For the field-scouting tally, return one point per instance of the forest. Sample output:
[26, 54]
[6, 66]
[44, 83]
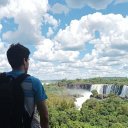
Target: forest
[110, 112]
[98, 80]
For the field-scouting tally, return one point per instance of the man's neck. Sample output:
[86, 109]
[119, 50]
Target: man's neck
[22, 69]
[19, 69]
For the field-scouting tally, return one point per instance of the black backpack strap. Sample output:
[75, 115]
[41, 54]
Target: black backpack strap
[17, 85]
[18, 91]
[18, 95]
[27, 119]
[4, 78]
[2, 74]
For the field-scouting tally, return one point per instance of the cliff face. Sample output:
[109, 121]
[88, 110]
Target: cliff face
[79, 86]
[102, 88]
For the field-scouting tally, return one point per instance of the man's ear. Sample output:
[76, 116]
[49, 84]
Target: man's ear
[24, 61]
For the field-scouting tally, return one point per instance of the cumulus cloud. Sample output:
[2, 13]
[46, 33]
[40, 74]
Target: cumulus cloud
[30, 17]
[4, 66]
[74, 36]
[49, 70]
[110, 47]
[51, 20]
[111, 28]
[46, 52]
[108, 58]
[59, 8]
[44, 69]
[97, 4]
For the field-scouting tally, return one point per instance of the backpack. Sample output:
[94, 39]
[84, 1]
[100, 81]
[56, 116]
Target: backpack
[12, 111]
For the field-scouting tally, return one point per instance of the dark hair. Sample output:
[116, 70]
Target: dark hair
[16, 54]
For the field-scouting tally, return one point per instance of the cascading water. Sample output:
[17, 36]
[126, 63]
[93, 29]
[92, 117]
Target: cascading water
[106, 89]
[124, 92]
[82, 94]
[80, 100]
[98, 88]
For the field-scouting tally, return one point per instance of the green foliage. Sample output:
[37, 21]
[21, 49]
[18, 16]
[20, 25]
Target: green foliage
[111, 112]
[117, 125]
[107, 113]
[60, 102]
[94, 93]
[119, 81]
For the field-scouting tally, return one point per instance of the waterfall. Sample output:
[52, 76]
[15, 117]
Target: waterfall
[106, 89]
[82, 94]
[124, 92]
[98, 88]
[80, 100]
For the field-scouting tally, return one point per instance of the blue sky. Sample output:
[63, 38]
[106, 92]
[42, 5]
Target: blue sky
[68, 38]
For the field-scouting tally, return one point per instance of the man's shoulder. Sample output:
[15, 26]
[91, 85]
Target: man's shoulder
[34, 79]
[37, 84]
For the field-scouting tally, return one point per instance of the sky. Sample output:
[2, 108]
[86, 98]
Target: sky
[68, 39]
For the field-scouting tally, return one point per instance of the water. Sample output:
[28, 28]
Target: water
[124, 91]
[80, 100]
[98, 87]
[82, 94]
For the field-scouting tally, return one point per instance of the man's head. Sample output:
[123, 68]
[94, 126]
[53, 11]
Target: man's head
[18, 56]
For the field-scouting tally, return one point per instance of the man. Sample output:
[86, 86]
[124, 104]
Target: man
[18, 58]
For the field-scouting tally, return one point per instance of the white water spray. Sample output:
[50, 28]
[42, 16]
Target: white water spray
[80, 100]
[83, 95]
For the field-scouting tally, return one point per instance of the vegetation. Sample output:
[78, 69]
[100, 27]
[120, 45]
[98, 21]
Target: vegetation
[99, 80]
[111, 112]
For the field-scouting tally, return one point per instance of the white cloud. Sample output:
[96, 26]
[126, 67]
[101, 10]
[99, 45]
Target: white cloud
[120, 1]
[80, 32]
[2, 48]
[59, 8]
[46, 52]
[31, 7]
[4, 66]
[48, 70]
[51, 20]
[44, 69]
[97, 4]
[110, 48]
[74, 36]
[29, 17]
